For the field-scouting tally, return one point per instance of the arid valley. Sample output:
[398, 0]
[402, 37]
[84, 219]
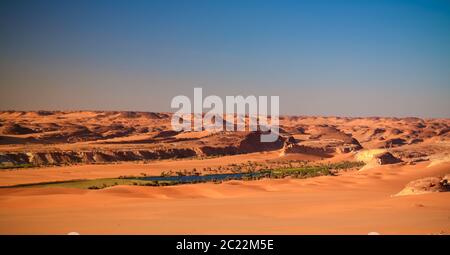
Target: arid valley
[105, 172]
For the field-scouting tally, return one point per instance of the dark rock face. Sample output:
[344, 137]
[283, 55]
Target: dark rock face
[415, 141]
[356, 144]
[394, 142]
[166, 133]
[387, 158]
[72, 157]
[216, 151]
[45, 113]
[427, 185]
[311, 150]
[444, 131]
[252, 143]
[378, 131]
[16, 129]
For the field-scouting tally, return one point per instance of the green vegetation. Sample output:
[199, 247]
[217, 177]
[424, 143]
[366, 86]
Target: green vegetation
[346, 165]
[97, 183]
[301, 172]
[304, 171]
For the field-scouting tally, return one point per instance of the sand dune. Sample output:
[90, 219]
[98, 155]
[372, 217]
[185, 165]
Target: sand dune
[48, 146]
[355, 203]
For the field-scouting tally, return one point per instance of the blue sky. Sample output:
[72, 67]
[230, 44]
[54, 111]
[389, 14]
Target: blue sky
[347, 58]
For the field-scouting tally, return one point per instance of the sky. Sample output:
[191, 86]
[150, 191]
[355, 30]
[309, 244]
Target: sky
[340, 58]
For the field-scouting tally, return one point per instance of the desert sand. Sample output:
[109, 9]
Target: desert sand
[38, 147]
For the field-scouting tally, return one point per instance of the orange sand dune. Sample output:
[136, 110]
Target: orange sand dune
[352, 203]
[106, 144]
